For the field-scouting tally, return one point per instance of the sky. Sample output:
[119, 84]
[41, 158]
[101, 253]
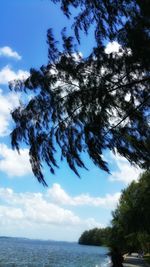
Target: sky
[69, 205]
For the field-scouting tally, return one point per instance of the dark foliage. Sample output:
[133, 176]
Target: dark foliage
[130, 230]
[130, 224]
[116, 257]
[95, 237]
[95, 103]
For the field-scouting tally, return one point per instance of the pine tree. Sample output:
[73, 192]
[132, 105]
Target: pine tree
[95, 103]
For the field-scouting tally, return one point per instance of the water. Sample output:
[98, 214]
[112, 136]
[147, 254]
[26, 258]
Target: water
[18, 252]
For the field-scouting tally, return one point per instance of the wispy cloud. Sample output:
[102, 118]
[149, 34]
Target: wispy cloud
[7, 51]
[12, 163]
[59, 196]
[125, 172]
[8, 102]
[7, 74]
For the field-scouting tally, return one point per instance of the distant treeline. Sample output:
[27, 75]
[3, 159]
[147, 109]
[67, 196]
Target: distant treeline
[95, 237]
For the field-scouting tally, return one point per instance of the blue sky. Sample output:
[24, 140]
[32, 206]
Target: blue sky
[69, 205]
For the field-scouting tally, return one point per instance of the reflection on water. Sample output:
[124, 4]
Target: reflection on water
[17, 252]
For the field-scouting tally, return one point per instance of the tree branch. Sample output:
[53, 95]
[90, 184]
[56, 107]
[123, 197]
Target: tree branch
[127, 115]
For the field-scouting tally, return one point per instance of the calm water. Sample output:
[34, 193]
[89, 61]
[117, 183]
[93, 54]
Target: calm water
[17, 252]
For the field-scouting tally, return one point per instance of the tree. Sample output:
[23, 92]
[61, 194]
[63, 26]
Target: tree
[95, 237]
[130, 224]
[129, 230]
[95, 103]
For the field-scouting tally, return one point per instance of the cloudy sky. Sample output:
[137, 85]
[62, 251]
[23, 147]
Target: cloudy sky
[69, 205]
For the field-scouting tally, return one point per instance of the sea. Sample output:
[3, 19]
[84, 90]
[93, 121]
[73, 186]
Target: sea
[21, 252]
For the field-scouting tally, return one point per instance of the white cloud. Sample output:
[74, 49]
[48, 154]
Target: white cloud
[7, 213]
[126, 173]
[7, 51]
[115, 48]
[33, 207]
[38, 212]
[7, 103]
[112, 47]
[7, 74]
[12, 163]
[58, 195]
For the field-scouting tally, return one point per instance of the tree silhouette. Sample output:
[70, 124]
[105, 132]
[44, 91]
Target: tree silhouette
[95, 103]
